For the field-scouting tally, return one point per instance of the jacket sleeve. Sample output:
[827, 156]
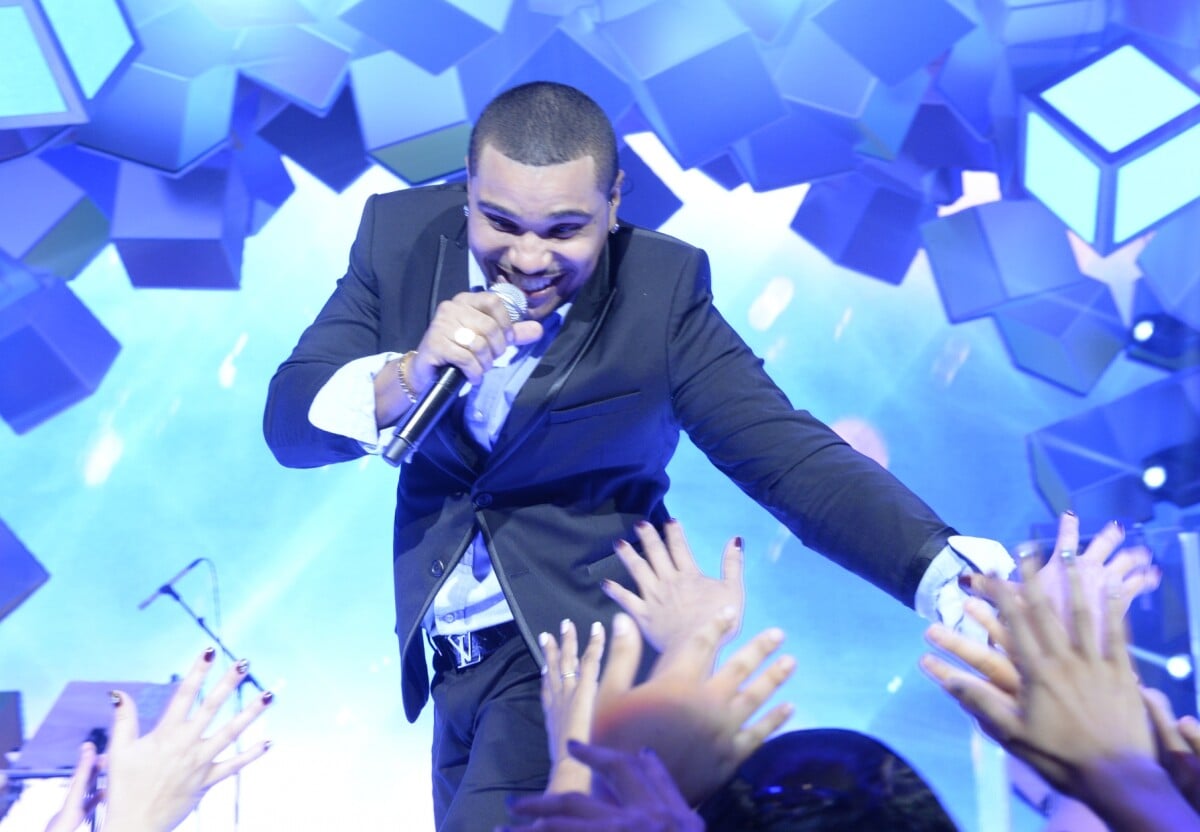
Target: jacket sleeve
[346, 328]
[835, 500]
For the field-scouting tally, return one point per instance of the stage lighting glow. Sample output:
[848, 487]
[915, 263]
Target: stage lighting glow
[1154, 477]
[775, 297]
[1143, 330]
[1180, 667]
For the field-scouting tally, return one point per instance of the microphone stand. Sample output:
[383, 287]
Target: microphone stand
[170, 592]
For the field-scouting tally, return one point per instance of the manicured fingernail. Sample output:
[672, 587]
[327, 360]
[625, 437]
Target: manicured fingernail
[738, 542]
[566, 622]
[1069, 513]
[643, 524]
[115, 698]
[544, 640]
[597, 629]
[267, 745]
[622, 624]
[672, 521]
[619, 542]
[242, 666]
[964, 580]
[268, 697]
[775, 634]
[210, 653]
[1119, 526]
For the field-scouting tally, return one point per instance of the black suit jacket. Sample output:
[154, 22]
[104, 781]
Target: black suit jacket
[582, 457]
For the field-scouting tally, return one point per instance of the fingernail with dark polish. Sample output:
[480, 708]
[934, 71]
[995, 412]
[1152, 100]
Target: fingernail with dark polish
[115, 698]
[242, 666]
[738, 542]
[642, 524]
[267, 745]
[964, 581]
[210, 653]
[268, 697]
[1069, 513]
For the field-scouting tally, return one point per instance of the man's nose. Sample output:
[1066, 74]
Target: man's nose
[529, 254]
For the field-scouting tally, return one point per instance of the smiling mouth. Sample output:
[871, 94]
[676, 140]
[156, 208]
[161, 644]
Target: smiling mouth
[528, 284]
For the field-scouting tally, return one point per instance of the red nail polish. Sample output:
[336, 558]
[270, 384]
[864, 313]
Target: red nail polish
[738, 542]
[210, 653]
[964, 581]
[268, 697]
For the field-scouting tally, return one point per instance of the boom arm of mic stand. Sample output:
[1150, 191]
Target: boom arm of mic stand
[170, 592]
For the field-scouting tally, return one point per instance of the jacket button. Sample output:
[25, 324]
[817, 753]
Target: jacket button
[483, 499]
[437, 569]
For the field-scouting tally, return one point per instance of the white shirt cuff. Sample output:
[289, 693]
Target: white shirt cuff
[939, 597]
[346, 404]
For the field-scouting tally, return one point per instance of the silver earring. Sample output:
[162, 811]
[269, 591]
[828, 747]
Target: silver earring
[616, 226]
[466, 210]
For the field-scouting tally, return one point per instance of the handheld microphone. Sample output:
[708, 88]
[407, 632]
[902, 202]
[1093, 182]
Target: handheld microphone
[166, 588]
[441, 394]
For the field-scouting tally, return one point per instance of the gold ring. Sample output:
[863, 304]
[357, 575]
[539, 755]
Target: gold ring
[465, 336]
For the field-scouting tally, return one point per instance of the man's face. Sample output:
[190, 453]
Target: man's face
[539, 228]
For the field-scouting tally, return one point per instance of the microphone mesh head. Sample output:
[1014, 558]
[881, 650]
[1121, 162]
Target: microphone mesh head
[515, 302]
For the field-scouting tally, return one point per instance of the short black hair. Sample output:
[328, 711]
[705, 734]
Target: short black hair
[545, 123]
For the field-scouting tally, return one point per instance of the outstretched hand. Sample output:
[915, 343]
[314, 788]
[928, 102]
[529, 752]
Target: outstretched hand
[82, 796]
[156, 780]
[674, 597]
[569, 685]
[696, 720]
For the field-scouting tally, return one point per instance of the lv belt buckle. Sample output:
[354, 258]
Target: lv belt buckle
[466, 649]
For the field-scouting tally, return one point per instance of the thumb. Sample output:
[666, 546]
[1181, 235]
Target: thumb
[527, 332]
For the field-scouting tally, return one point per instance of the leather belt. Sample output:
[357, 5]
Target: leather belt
[466, 649]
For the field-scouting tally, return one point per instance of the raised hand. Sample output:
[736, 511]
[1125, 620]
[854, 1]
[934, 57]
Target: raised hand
[674, 597]
[156, 780]
[569, 686]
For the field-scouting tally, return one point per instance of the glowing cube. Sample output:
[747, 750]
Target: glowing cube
[1114, 148]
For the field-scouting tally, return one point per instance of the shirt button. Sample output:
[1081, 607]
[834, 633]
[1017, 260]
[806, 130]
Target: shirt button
[477, 415]
[483, 499]
[449, 617]
[437, 569]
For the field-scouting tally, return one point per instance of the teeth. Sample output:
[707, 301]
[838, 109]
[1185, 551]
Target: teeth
[529, 284]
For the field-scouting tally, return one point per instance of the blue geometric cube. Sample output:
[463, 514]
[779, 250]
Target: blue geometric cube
[1114, 148]
[990, 254]
[806, 145]
[671, 51]
[57, 56]
[433, 34]
[60, 231]
[863, 226]
[1068, 336]
[893, 39]
[185, 232]
[329, 147]
[645, 199]
[53, 353]
[296, 63]
[20, 573]
[1022, 21]
[1171, 265]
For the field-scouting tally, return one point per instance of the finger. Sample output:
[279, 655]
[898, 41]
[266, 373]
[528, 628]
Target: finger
[223, 737]
[996, 668]
[1106, 541]
[750, 738]
[81, 779]
[655, 550]
[228, 767]
[1116, 640]
[569, 653]
[621, 771]
[624, 656]
[660, 783]
[746, 660]
[1129, 560]
[1162, 719]
[207, 710]
[984, 614]
[125, 728]
[1079, 607]
[551, 670]
[636, 565]
[1189, 729]
[560, 805]
[589, 665]
[1068, 535]
[733, 562]
[678, 548]
[751, 697]
[996, 711]
[626, 599]
[185, 695]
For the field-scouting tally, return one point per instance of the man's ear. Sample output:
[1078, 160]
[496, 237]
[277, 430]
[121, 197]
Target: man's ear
[614, 197]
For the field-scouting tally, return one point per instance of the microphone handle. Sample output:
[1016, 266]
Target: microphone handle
[426, 413]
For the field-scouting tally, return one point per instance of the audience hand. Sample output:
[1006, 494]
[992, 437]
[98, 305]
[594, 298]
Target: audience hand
[82, 797]
[156, 780]
[632, 793]
[1178, 745]
[695, 719]
[674, 597]
[569, 686]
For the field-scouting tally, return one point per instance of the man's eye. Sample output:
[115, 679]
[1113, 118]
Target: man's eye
[501, 224]
[564, 231]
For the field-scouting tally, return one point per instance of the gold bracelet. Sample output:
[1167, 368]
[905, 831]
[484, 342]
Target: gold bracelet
[400, 377]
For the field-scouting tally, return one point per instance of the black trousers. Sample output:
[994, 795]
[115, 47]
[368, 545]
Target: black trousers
[489, 738]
